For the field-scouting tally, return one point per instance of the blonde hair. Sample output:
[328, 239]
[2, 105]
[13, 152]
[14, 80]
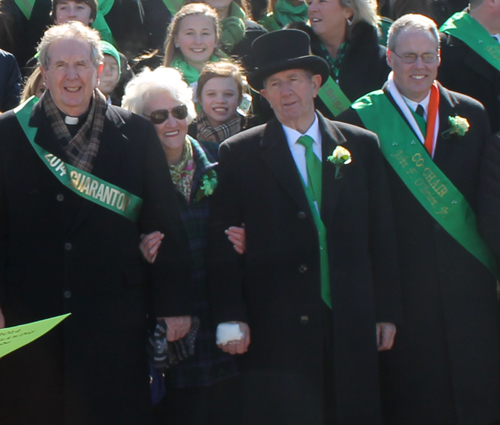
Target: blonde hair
[192, 9]
[31, 84]
[148, 83]
[363, 11]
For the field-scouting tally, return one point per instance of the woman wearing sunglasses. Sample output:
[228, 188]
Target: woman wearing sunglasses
[195, 385]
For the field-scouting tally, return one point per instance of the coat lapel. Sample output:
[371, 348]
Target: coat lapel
[446, 109]
[331, 138]
[276, 154]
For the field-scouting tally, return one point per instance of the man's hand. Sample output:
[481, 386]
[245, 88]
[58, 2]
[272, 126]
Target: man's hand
[240, 346]
[237, 237]
[2, 320]
[385, 335]
[150, 244]
[177, 327]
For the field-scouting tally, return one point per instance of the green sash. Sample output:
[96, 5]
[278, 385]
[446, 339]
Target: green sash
[26, 7]
[472, 33]
[333, 97]
[435, 192]
[84, 184]
[326, 293]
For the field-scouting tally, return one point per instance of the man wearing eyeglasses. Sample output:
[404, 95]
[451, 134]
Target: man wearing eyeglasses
[444, 367]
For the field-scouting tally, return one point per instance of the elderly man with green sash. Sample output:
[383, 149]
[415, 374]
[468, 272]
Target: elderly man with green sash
[470, 45]
[444, 367]
[80, 180]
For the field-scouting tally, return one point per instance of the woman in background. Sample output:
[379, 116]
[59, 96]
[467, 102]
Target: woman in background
[345, 33]
[280, 13]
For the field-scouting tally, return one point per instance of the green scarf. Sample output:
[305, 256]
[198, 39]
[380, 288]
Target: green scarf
[100, 23]
[284, 13]
[233, 27]
[191, 74]
[462, 26]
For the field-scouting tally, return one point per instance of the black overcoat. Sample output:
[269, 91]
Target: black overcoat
[276, 287]
[444, 367]
[464, 71]
[63, 254]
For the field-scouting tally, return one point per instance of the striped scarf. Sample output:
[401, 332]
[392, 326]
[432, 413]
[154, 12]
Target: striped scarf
[216, 134]
[81, 149]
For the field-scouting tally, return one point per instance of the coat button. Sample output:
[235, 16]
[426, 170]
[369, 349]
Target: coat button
[67, 246]
[67, 294]
[60, 197]
[301, 215]
[304, 320]
[302, 268]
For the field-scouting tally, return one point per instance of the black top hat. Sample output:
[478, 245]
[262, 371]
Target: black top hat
[281, 50]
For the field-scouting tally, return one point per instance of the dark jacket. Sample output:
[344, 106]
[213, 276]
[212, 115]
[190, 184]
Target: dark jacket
[10, 81]
[64, 254]
[364, 67]
[464, 71]
[276, 287]
[444, 365]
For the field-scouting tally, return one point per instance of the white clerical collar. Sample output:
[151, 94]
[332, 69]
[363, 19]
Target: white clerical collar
[293, 135]
[425, 104]
[71, 120]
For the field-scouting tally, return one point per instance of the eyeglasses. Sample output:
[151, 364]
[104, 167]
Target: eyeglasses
[161, 115]
[412, 57]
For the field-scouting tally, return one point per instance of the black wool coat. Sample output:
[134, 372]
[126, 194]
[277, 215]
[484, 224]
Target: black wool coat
[275, 288]
[364, 67]
[464, 71]
[444, 366]
[63, 254]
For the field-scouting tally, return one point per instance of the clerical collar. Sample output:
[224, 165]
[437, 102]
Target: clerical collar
[71, 120]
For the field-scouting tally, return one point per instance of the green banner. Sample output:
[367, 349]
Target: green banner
[84, 184]
[333, 97]
[462, 26]
[18, 336]
[432, 188]
[26, 7]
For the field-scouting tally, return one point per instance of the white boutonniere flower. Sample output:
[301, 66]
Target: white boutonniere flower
[458, 126]
[339, 157]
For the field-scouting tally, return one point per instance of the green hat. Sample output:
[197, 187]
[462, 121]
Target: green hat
[109, 49]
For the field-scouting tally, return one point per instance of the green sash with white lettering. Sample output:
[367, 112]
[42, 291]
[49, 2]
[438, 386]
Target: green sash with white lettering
[472, 33]
[435, 192]
[84, 184]
[333, 97]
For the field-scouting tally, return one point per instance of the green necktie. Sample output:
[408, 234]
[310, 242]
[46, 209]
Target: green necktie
[418, 114]
[313, 169]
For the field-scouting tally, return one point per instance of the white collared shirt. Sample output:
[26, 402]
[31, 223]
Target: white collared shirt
[299, 151]
[425, 104]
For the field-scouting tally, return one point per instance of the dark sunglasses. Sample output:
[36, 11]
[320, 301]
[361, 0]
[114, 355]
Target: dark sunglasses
[161, 115]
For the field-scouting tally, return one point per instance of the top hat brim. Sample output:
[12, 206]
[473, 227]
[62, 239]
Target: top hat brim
[315, 64]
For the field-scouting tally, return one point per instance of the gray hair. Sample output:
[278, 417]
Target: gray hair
[148, 83]
[72, 30]
[363, 10]
[414, 22]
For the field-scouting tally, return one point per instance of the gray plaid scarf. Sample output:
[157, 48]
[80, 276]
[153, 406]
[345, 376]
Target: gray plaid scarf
[216, 134]
[81, 149]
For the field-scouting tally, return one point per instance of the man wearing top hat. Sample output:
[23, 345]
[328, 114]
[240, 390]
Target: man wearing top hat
[317, 288]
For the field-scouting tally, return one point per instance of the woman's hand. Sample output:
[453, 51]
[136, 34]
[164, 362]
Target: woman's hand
[150, 244]
[237, 237]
